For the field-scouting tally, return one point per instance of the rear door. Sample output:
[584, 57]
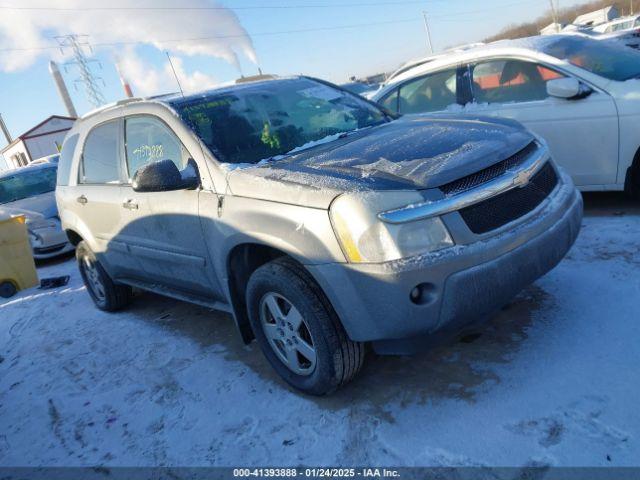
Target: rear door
[582, 133]
[163, 229]
[98, 196]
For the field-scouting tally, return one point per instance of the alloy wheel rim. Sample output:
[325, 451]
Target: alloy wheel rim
[93, 279]
[288, 334]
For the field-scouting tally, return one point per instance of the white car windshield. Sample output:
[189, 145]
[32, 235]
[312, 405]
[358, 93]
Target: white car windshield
[27, 184]
[250, 123]
[615, 62]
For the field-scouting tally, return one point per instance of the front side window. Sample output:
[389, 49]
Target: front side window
[607, 59]
[149, 140]
[100, 157]
[390, 101]
[431, 93]
[506, 80]
[252, 122]
[27, 184]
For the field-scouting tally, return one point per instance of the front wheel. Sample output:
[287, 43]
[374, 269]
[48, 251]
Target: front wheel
[105, 293]
[298, 331]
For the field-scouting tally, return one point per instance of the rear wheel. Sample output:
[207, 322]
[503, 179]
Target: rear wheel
[298, 331]
[105, 293]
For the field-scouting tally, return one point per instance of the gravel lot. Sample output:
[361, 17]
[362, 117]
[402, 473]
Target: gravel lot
[552, 380]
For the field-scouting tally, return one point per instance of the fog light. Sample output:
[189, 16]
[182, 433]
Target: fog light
[415, 294]
[423, 294]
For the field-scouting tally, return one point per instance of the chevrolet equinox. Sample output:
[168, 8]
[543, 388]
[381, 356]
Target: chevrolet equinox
[319, 220]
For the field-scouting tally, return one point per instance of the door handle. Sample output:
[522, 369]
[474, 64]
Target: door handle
[82, 199]
[130, 204]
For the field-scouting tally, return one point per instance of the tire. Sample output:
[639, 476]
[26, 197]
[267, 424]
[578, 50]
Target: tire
[284, 287]
[632, 182]
[105, 293]
[7, 289]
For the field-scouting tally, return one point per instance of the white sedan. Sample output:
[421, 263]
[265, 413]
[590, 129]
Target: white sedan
[581, 95]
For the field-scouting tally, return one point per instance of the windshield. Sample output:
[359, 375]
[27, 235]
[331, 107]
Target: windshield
[597, 56]
[254, 122]
[357, 87]
[27, 184]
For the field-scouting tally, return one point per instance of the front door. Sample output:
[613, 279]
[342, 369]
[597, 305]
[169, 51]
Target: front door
[582, 133]
[163, 229]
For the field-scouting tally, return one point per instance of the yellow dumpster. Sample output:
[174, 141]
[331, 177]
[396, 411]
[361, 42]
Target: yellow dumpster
[17, 268]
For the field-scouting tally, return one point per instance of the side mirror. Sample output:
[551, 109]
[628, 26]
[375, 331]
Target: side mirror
[567, 88]
[164, 176]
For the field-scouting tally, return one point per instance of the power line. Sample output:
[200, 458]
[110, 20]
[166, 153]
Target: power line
[251, 7]
[219, 37]
[280, 32]
[484, 10]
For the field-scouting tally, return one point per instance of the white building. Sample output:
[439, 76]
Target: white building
[42, 140]
[592, 19]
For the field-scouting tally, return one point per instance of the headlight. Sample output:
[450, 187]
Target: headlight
[38, 223]
[34, 239]
[366, 239]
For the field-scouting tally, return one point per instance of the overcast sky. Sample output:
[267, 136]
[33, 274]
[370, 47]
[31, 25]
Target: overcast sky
[300, 38]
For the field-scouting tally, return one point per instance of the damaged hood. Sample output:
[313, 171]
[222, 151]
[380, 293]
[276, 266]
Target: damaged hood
[413, 152]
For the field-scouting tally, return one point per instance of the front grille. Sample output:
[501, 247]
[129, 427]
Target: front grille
[54, 248]
[497, 211]
[471, 181]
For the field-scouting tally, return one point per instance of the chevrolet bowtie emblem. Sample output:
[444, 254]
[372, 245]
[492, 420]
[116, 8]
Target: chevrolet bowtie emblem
[522, 178]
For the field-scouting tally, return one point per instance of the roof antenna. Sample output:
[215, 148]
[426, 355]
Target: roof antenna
[175, 74]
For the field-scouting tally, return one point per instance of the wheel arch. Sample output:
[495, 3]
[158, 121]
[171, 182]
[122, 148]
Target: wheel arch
[632, 179]
[242, 260]
[74, 237]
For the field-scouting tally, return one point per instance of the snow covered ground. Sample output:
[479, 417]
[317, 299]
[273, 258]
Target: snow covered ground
[553, 380]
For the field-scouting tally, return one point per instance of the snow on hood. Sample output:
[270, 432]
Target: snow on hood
[414, 152]
[33, 208]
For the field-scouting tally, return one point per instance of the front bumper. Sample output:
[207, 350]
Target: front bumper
[458, 285]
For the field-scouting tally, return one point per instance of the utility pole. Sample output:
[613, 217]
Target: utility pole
[630, 7]
[77, 44]
[554, 15]
[426, 26]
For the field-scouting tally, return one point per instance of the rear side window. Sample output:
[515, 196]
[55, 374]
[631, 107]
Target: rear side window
[501, 81]
[100, 157]
[431, 93]
[150, 140]
[66, 157]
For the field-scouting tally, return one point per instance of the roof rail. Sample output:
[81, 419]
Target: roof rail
[256, 78]
[124, 101]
